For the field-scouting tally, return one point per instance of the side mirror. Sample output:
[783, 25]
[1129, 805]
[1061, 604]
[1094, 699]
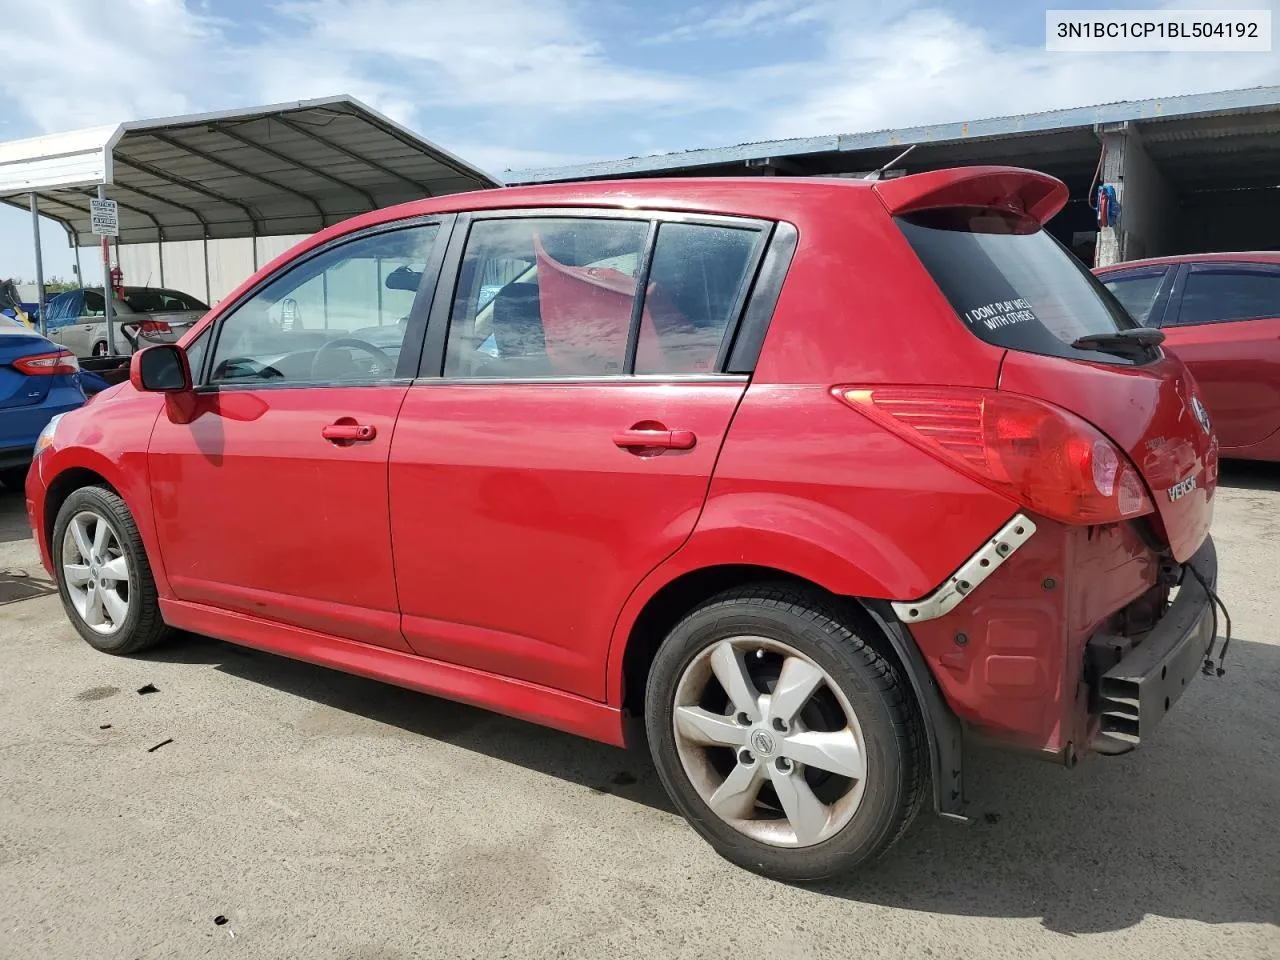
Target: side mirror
[161, 369]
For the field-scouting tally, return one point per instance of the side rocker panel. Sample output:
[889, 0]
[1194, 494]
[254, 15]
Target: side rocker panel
[515, 698]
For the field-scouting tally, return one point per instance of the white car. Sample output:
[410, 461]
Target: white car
[146, 315]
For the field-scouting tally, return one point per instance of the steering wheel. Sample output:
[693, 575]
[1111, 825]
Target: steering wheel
[326, 353]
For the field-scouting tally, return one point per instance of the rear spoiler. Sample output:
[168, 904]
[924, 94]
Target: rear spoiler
[1003, 188]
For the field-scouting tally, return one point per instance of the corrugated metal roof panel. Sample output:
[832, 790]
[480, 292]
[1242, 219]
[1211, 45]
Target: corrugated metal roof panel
[1204, 105]
[279, 170]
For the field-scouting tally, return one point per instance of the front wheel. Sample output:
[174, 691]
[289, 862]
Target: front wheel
[104, 578]
[784, 738]
[100, 349]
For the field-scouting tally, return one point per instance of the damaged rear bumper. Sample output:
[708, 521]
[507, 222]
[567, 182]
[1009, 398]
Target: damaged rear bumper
[1136, 693]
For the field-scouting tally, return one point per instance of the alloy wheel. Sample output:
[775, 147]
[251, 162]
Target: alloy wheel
[95, 569]
[769, 741]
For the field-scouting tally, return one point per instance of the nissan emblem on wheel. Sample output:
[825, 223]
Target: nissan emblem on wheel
[585, 455]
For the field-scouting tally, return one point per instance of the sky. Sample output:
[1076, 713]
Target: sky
[510, 84]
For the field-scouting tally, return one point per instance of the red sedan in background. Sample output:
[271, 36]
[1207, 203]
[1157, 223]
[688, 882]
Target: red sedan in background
[1220, 312]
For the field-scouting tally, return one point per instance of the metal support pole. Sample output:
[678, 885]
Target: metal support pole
[160, 258]
[35, 230]
[208, 285]
[79, 271]
[108, 307]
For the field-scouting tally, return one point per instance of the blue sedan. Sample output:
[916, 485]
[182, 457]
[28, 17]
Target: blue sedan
[38, 381]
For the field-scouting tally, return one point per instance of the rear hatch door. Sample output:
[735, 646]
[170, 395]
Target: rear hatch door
[979, 234]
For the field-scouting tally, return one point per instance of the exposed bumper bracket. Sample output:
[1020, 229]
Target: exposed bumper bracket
[1136, 693]
[971, 573]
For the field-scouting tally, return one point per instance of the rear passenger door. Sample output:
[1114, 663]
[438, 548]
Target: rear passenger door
[1224, 322]
[560, 443]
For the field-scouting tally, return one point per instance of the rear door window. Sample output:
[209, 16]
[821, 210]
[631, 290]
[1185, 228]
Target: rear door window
[1137, 292]
[545, 297]
[554, 297]
[1012, 284]
[94, 306]
[1217, 294]
[697, 282]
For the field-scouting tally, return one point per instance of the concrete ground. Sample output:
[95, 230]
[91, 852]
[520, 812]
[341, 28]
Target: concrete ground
[324, 815]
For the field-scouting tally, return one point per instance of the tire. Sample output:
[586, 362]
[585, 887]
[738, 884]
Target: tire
[14, 478]
[99, 349]
[121, 629]
[764, 627]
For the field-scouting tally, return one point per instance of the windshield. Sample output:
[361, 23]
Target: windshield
[1012, 283]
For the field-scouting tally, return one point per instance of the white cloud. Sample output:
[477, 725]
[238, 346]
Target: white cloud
[513, 53]
[931, 67]
[92, 72]
[500, 83]
[754, 16]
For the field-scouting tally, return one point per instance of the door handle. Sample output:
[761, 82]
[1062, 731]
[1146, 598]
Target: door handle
[640, 439]
[344, 433]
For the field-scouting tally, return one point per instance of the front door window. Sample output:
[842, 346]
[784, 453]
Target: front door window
[341, 316]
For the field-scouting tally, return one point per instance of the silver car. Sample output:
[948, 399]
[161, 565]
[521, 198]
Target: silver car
[146, 315]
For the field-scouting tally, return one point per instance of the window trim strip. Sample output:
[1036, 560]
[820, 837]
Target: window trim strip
[639, 297]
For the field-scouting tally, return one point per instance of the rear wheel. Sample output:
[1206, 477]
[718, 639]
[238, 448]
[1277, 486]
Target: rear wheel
[104, 578]
[13, 478]
[100, 349]
[784, 738]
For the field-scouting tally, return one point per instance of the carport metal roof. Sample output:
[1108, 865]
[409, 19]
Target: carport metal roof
[276, 170]
[1202, 138]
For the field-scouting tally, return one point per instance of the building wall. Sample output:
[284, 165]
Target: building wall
[1149, 211]
[231, 262]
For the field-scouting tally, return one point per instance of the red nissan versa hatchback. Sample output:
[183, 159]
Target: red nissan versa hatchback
[815, 476]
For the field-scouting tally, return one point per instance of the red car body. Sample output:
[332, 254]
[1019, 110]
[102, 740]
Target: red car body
[1220, 313]
[524, 545]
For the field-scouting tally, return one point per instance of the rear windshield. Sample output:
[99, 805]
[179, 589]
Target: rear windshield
[1013, 284]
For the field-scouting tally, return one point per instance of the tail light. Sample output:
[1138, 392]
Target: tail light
[1041, 456]
[48, 364]
[151, 327]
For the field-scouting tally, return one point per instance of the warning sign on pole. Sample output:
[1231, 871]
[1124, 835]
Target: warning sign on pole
[104, 217]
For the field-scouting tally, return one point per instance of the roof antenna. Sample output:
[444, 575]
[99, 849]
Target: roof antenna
[875, 174]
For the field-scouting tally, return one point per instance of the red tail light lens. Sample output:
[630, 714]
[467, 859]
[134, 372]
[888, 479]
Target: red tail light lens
[149, 327]
[48, 364]
[1039, 455]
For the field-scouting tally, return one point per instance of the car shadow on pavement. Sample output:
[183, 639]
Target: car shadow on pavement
[1249, 475]
[1182, 828]
[14, 525]
[600, 767]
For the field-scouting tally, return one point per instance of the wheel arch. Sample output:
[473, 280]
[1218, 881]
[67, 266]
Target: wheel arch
[63, 484]
[653, 612]
[77, 465]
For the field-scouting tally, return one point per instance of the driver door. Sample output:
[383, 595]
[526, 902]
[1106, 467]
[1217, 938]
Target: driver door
[272, 501]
